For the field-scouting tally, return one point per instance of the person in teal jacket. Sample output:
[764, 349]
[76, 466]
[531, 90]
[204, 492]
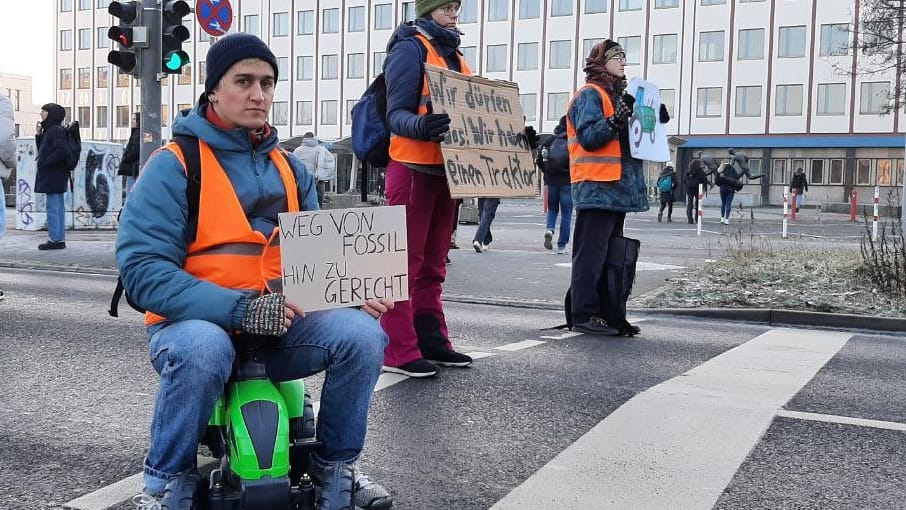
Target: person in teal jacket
[192, 349]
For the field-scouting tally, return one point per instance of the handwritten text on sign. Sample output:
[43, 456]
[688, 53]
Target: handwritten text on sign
[485, 153]
[342, 257]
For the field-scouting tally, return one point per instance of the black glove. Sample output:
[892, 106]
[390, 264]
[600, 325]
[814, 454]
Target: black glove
[623, 110]
[534, 140]
[434, 126]
[266, 315]
[664, 114]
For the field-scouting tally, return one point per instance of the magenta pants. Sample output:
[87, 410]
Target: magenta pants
[429, 225]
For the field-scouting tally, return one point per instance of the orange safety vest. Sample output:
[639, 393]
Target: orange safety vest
[600, 165]
[226, 250]
[410, 150]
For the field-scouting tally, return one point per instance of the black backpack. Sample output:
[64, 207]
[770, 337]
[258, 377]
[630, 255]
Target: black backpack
[558, 156]
[73, 145]
[190, 153]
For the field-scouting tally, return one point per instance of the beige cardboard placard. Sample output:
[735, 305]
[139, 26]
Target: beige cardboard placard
[485, 154]
[337, 258]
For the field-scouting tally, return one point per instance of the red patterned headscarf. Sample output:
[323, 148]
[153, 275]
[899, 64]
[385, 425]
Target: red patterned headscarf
[596, 70]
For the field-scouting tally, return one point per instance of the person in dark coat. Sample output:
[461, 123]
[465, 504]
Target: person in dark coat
[129, 163]
[553, 160]
[695, 176]
[667, 179]
[799, 185]
[52, 177]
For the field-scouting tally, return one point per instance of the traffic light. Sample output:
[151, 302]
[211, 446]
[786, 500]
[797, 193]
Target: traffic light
[125, 34]
[173, 34]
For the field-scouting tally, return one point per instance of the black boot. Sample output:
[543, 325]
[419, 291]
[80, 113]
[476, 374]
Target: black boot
[433, 344]
[619, 276]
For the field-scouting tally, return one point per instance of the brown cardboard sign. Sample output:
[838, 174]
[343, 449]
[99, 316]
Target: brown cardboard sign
[485, 153]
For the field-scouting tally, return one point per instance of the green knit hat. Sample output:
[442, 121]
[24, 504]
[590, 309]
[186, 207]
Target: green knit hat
[425, 7]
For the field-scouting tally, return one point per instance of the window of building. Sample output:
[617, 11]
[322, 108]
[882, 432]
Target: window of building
[122, 116]
[836, 171]
[529, 104]
[498, 10]
[470, 53]
[560, 55]
[355, 65]
[792, 42]
[329, 67]
[377, 62]
[708, 102]
[631, 5]
[103, 41]
[83, 115]
[468, 11]
[203, 75]
[305, 68]
[84, 38]
[102, 77]
[185, 77]
[595, 6]
[668, 97]
[751, 44]
[100, 117]
[863, 172]
[778, 171]
[788, 100]
[183, 107]
[84, 5]
[356, 21]
[65, 5]
[664, 49]
[834, 39]
[165, 115]
[350, 103]
[587, 45]
[713, 2]
[305, 22]
[665, 4]
[816, 172]
[561, 8]
[408, 11]
[383, 16]
[831, 98]
[330, 21]
[329, 112]
[496, 61]
[282, 69]
[711, 46]
[529, 9]
[122, 79]
[633, 48]
[884, 171]
[84, 77]
[556, 105]
[65, 40]
[527, 57]
[280, 113]
[874, 97]
[251, 24]
[304, 112]
[281, 24]
[202, 36]
[67, 115]
[748, 101]
[749, 1]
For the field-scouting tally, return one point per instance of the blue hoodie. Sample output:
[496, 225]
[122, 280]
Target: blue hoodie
[152, 241]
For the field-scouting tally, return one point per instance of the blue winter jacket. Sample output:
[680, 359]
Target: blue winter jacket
[152, 241]
[629, 194]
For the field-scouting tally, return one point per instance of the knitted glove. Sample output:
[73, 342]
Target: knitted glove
[664, 114]
[532, 136]
[266, 315]
[623, 110]
[434, 126]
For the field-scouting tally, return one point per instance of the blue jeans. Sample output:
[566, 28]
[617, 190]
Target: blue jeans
[487, 208]
[194, 359]
[726, 201]
[560, 197]
[56, 217]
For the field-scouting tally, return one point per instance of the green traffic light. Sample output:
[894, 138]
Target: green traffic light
[175, 60]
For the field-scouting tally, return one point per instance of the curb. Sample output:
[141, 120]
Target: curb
[31, 266]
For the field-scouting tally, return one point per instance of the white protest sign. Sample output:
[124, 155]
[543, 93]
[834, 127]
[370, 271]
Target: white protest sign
[647, 136]
[485, 153]
[337, 258]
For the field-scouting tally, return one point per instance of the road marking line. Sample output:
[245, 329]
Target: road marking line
[518, 346]
[481, 354]
[388, 379]
[678, 444]
[845, 420]
[561, 336]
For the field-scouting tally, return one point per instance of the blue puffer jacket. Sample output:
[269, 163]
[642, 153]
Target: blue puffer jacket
[629, 193]
[152, 240]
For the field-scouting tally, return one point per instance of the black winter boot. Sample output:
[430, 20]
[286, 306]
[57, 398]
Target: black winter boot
[433, 344]
[619, 275]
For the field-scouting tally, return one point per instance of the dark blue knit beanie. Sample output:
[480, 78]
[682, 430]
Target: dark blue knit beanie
[231, 49]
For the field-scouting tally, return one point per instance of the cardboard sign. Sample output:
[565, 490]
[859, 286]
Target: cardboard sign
[485, 153]
[338, 258]
[647, 136]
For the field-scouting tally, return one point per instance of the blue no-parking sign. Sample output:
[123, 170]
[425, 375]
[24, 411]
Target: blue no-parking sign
[214, 16]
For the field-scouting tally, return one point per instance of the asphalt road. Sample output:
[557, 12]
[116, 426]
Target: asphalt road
[757, 415]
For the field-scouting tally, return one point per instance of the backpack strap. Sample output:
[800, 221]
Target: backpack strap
[188, 145]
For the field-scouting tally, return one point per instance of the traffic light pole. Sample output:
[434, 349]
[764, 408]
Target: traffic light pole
[151, 93]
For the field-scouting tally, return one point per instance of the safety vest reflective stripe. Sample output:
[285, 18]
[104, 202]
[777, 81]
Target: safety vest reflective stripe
[226, 250]
[602, 164]
[410, 150]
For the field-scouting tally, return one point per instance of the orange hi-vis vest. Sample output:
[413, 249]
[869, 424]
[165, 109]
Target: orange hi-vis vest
[226, 250]
[600, 165]
[410, 150]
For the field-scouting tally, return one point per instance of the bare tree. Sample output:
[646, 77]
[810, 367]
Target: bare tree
[879, 37]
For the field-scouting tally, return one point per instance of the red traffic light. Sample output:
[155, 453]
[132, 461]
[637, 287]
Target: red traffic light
[121, 34]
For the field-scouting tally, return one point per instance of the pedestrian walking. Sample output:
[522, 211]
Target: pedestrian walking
[7, 156]
[607, 183]
[129, 164]
[52, 176]
[799, 185]
[695, 176]
[553, 160]
[319, 161]
[487, 209]
[666, 184]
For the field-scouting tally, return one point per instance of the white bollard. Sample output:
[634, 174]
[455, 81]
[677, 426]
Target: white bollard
[874, 222]
[699, 214]
[786, 209]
